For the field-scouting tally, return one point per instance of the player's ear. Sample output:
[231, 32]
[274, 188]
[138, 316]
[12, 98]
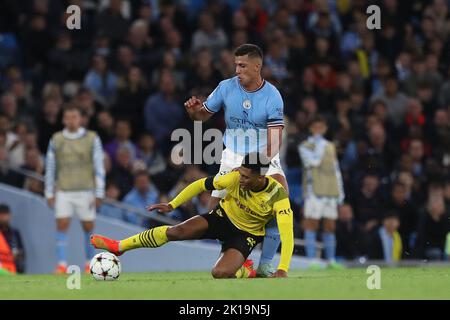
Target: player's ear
[258, 66]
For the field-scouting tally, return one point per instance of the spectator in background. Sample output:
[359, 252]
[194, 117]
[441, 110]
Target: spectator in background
[191, 173]
[347, 241]
[143, 194]
[14, 146]
[34, 162]
[152, 158]
[378, 108]
[208, 35]
[368, 203]
[125, 59]
[420, 74]
[9, 107]
[417, 153]
[85, 100]
[131, 98]
[163, 113]
[170, 64]
[414, 118]
[276, 60]
[12, 252]
[385, 243]
[121, 171]
[6, 174]
[439, 133]
[203, 77]
[256, 16]
[37, 40]
[48, 122]
[434, 225]
[225, 64]
[427, 99]
[101, 81]
[395, 100]
[122, 139]
[105, 126]
[112, 192]
[142, 45]
[408, 216]
[323, 23]
[444, 93]
[447, 193]
[66, 62]
[112, 22]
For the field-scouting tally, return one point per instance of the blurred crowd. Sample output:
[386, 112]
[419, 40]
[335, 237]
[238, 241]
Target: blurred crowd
[385, 93]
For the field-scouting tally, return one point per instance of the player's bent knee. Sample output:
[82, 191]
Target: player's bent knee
[176, 233]
[220, 273]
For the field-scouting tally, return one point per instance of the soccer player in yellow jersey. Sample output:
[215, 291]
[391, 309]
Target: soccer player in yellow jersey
[238, 221]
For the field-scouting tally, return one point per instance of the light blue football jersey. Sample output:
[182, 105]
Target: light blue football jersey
[248, 114]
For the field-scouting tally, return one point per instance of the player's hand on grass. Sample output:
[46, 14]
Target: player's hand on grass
[280, 274]
[161, 207]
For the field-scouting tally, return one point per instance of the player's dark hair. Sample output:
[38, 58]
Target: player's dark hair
[252, 50]
[257, 162]
[318, 118]
[72, 107]
[390, 213]
[141, 172]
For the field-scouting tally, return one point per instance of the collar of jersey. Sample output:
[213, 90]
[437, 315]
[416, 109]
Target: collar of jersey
[265, 187]
[259, 88]
[74, 135]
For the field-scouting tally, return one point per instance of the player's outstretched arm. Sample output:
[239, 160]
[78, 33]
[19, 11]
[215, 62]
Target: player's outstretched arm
[195, 109]
[195, 188]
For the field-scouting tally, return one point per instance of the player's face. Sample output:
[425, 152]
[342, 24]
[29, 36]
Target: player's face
[247, 69]
[319, 128]
[72, 120]
[248, 180]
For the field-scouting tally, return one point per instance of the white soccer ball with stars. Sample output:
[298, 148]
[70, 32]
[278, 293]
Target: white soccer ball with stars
[105, 266]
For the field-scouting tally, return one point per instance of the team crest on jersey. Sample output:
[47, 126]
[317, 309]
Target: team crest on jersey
[247, 104]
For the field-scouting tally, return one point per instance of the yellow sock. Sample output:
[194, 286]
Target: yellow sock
[151, 238]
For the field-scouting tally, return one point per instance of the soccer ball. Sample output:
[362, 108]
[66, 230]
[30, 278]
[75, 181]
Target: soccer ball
[105, 266]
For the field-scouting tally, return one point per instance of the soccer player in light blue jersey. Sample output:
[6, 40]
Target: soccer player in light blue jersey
[254, 123]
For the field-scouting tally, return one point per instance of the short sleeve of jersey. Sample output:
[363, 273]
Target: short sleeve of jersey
[275, 111]
[215, 101]
[227, 180]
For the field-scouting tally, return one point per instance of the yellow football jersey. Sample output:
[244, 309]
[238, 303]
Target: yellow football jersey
[248, 210]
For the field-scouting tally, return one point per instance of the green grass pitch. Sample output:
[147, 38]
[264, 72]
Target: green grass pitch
[396, 283]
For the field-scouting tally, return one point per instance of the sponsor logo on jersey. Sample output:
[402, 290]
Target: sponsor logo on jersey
[251, 242]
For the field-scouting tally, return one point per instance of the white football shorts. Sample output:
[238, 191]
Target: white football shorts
[231, 160]
[79, 203]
